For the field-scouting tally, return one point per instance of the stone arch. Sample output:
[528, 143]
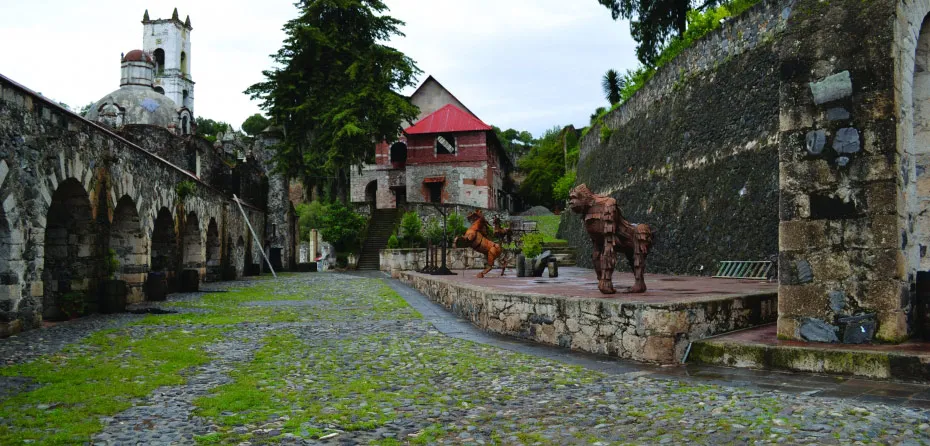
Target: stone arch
[214, 252]
[164, 252]
[239, 257]
[159, 55]
[72, 257]
[912, 93]
[371, 192]
[192, 242]
[127, 240]
[21, 313]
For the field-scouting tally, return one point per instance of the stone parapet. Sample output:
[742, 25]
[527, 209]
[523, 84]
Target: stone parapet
[642, 331]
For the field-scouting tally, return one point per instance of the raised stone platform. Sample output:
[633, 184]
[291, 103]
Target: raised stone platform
[760, 348]
[569, 311]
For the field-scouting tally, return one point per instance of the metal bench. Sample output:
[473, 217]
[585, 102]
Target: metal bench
[744, 269]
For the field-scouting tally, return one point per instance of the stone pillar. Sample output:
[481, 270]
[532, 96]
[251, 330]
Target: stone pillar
[841, 268]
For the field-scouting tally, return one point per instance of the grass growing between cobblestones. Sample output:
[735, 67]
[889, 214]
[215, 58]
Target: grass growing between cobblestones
[331, 301]
[99, 377]
[362, 383]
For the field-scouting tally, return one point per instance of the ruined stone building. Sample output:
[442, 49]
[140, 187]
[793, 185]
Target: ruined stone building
[448, 155]
[132, 177]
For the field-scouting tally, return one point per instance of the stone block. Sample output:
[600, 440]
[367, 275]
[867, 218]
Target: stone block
[659, 349]
[858, 329]
[832, 88]
[837, 114]
[801, 235]
[803, 301]
[830, 266]
[815, 141]
[837, 300]
[846, 141]
[816, 330]
[881, 198]
[787, 328]
[892, 327]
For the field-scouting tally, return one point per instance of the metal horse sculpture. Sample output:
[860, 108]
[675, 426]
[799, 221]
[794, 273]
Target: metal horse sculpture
[502, 234]
[610, 232]
[478, 237]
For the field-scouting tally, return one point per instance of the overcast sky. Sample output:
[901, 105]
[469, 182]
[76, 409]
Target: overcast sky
[526, 64]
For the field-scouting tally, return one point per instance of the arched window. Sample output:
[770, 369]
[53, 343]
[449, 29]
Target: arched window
[159, 90]
[399, 152]
[184, 99]
[159, 61]
[183, 63]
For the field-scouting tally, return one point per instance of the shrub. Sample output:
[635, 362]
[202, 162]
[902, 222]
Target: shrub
[342, 227]
[605, 133]
[455, 225]
[433, 231]
[563, 186]
[309, 216]
[411, 230]
[72, 304]
[392, 242]
[184, 190]
[111, 263]
[532, 244]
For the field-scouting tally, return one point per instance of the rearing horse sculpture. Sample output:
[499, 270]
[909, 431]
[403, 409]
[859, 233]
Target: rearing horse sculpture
[478, 239]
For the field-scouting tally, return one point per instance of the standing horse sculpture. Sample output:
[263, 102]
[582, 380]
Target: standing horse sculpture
[478, 237]
[609, 233]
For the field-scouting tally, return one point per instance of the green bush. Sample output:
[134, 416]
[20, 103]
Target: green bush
[185, 189]
[342, 227]
[455, 225]
[111, 263]
[72, 304]
[532, 244]
[309, 216]
[433, 231]
[605, 133]
[563, 186]
[411, 230]
[393, 243]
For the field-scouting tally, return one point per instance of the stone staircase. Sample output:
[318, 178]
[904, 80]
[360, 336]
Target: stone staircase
[562, 251]
[379, 231]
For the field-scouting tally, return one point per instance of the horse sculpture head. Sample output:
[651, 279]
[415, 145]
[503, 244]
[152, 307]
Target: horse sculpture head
[475, 215]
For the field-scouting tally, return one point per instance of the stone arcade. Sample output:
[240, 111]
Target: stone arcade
[72, 188]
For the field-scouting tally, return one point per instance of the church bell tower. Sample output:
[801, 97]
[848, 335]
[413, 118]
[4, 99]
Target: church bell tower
[168, 41]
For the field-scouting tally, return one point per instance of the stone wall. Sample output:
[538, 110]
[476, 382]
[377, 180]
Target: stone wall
[694, 153]
[845, 232]
[657, 333]
[70, 190]
[415, 259]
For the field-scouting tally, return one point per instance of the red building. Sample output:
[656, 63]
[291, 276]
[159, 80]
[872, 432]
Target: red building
[447, 156]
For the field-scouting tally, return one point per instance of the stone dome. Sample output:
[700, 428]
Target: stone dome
[135, 104]
[137, 56]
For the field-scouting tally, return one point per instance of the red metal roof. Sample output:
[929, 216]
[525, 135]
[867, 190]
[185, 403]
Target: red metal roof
[447, 119]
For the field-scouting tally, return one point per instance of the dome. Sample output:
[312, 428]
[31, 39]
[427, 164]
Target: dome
[134, 104]
[137, 56]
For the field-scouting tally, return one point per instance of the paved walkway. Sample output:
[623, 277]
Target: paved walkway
[324, 358]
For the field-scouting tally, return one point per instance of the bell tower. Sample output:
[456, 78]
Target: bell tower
[168, 41]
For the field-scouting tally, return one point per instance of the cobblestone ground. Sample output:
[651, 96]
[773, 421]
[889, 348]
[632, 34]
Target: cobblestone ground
[336, 359]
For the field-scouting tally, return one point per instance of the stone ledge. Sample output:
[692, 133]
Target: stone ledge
[657, 331]
[759, 348]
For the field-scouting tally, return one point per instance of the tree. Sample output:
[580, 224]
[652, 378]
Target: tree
[86, 108]
[209, 128]
[543, 166]
[653, 22]
[253, 125]
[612, 84]
[334, 90]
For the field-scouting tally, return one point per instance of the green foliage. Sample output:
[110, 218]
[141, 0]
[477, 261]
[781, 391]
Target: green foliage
[111, 263]
[532, 244]
[433, 230]
[209, 128]
[548, 226]
[72, 304]
[543, 166]
[185, 189]
[334, 89]
[455, 225]
[605, 133]
[253, 125]
[411, 229]
[699, 23]
[309, 216]
[514, 142]
[86, 108]
[563, 186]
[612, 84]
[392, 242]
[342, 227]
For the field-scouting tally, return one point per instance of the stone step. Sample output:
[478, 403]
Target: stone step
[760, 348]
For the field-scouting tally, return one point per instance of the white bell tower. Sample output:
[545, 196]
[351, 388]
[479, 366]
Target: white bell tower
[168, 41]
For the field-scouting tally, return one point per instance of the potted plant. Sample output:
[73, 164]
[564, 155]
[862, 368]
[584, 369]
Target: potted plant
[113, 297]
[72, 304]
